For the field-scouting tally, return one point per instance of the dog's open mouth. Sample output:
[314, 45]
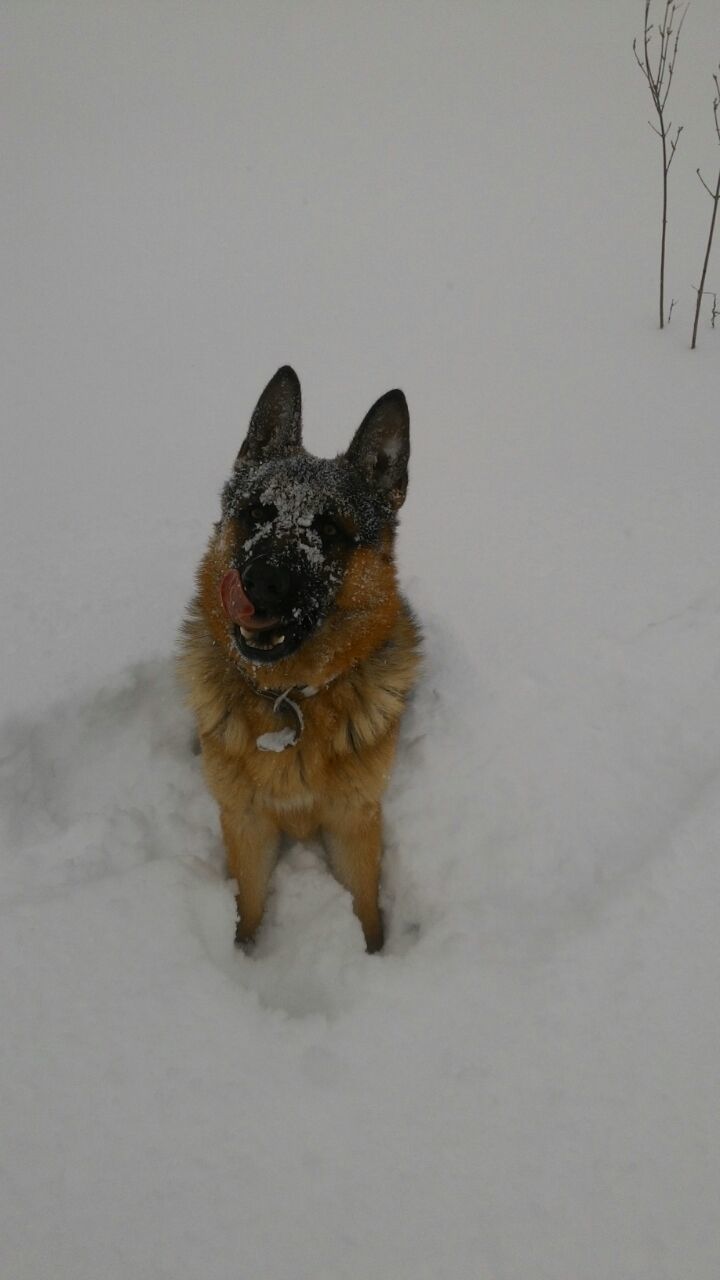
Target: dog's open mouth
[269, 642]
[259, 635]
[265, 636]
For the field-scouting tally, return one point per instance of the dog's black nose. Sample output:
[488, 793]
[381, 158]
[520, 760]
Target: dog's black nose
[267, 585]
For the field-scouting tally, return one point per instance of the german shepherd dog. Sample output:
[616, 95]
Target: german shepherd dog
[298, 652]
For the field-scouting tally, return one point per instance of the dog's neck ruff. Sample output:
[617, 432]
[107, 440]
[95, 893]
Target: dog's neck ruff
[290, 734]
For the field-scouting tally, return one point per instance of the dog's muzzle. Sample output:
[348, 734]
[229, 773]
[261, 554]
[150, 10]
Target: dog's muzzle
[258, 603]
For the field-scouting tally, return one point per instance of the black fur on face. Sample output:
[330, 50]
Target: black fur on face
[295, 519]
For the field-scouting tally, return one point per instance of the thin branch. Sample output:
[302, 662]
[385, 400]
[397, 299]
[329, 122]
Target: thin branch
[673, 147]
[701, 289]
[709, 190]
[665, 33]
[715, 196]
[659, 77]
[671, 65]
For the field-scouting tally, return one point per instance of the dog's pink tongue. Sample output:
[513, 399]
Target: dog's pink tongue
[234, 601]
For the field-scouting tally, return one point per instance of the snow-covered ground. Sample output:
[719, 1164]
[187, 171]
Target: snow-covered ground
[461, 200]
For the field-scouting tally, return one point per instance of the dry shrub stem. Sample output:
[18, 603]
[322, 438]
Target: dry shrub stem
[715, 197]
[659, 79]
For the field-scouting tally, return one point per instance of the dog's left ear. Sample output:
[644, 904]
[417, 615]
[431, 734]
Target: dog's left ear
[380, 448]
[276, 425]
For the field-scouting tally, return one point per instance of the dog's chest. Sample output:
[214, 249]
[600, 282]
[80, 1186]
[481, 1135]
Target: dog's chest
[327, 760]
[293, 749]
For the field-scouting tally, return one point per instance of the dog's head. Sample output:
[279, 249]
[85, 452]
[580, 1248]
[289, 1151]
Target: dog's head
[305, 544]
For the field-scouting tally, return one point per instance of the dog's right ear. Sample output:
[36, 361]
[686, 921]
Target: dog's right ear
[276, 425]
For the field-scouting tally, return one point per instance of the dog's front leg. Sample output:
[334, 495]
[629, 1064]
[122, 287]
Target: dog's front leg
[251, 843]
[354, 846]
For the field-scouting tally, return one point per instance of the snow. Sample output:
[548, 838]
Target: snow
[288, 736]
[461, 201]
[277, 741]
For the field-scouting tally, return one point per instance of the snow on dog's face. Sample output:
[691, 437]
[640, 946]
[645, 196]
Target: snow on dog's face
[292, 522]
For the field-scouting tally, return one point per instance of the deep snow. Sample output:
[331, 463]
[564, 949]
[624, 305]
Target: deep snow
[462, 201]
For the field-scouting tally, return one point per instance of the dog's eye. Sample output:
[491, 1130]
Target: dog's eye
[258, 513]
[329, 529]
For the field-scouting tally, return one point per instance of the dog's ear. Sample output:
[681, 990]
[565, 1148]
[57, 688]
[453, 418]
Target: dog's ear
[380, 448]
[276, 425]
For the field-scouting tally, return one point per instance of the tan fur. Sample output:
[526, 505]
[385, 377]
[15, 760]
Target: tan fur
[363, 661]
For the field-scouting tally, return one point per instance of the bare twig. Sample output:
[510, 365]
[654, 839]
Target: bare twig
[672, 304]
[709, 190]
[659, 79]
[715, 196]
[715, 312]
[673, 146]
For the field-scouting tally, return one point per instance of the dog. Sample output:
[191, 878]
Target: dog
[298, 652]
